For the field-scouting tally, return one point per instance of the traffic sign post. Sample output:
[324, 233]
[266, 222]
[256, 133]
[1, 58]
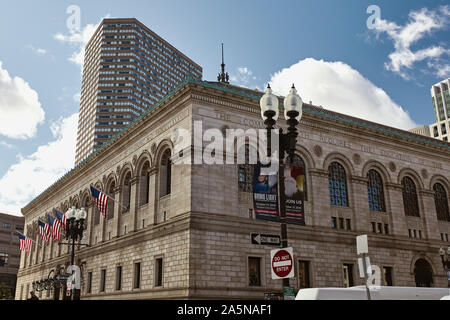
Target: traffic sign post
[282, 262]
[289, 293]
[362, 248]
[265, 239]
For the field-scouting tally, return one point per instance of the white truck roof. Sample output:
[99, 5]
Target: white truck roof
[376, 293]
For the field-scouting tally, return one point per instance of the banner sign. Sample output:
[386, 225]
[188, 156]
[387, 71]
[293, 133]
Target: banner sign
[265, 194]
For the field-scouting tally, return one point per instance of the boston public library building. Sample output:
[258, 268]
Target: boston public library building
[183, 229]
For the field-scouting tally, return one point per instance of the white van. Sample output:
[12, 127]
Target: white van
[376, 293]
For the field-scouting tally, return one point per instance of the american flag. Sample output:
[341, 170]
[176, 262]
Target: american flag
[55, 225]
[24, 243]
[101, 200]
[62, 218]
[44, 230]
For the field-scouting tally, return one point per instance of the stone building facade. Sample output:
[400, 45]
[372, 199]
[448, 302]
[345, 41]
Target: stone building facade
[182, 230]
[10, 225]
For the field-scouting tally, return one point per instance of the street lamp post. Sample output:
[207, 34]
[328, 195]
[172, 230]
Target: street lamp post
[445, 262]
[286, 144]
[74, 231]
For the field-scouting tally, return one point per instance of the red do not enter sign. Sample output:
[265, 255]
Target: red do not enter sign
[282, 263]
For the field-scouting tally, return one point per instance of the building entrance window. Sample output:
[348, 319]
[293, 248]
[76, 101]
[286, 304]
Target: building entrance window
[348, 274]
[423, 273]
[303, 274]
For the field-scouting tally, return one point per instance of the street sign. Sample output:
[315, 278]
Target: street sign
[266, 239]
[361, 266]
[362, 245]
[282, 263]
[68, 287]
[289, 293]
[62, 277]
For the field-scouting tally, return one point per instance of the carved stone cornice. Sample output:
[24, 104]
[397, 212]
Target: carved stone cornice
[393, 186]
[358, 179]
[318, 172]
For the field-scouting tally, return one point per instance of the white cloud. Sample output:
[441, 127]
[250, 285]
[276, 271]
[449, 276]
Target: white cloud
[78, 39]
[32, 174]
[76, 97]
[20, 108]
[244, 77]
[6, 145]
[38, 51]
[420, 24]
[338, 87]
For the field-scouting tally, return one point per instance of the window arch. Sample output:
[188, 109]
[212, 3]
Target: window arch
[441, 202]
[126, 192]
[410, 201]
[165, 176]
[375, 191]
[144, 184]
[337, 184]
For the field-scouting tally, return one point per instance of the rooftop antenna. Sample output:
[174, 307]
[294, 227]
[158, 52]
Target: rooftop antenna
[223, 76]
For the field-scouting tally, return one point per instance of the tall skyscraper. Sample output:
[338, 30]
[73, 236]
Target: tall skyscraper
[127, 69]
[441, 104]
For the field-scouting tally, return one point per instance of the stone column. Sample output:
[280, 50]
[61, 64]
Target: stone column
[397, 209]
[321, 206]
[102, 226]
[117, 212]
[133, 203]
[90, 222]
[428, 212]
[152, 197]
[361, 211]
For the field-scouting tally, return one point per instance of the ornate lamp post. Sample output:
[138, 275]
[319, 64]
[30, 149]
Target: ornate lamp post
[445, 258]
[74, 231]
[286, 142]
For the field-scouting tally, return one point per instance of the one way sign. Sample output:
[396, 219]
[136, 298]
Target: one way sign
[265, 239]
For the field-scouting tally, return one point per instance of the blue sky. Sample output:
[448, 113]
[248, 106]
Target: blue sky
[315, 42]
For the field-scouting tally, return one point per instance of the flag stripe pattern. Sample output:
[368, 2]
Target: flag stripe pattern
[62, 218]
[55, 226]
[44, 230]
[24, 243]
[101, 200]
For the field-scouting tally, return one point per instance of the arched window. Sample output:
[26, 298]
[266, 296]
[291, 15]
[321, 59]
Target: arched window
[410, 202]
[126, 192]
[144, 184]
[165, 174]
[375, 191]
[337, 184]
[245, 168]
[111, 203]
[441, 201]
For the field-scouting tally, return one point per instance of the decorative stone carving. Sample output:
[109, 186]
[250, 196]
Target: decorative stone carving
[317, 150]
[174, 135]
[118, 170]
[153, 148]
[424, 173]
[134, 160]
[357, 159]
[392, 166]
